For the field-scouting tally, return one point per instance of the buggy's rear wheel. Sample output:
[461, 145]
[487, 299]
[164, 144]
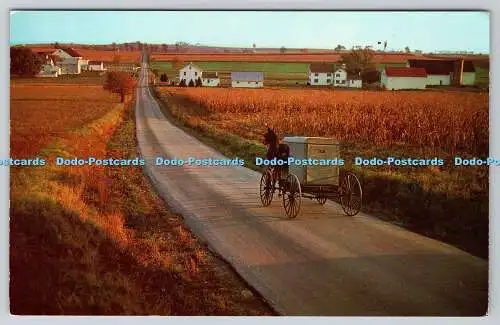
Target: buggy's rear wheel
[292, 196]
[351, 195]
[266, 188]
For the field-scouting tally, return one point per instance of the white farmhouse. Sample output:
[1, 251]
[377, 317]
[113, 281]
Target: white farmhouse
[247, 79]
[49, 67]
[354, 81]
[96, 66]
[210, 79]
[340, 78]
[190, 73]
[320, 74]
[393, 78]
[71, 61]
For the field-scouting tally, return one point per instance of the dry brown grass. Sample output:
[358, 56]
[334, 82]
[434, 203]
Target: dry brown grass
[94, 240]
[40, 112]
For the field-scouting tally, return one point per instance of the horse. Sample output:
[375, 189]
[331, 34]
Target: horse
[278, 150]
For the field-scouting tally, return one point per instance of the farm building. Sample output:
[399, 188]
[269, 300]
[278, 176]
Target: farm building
[210, 79]
[321, 74]
[446, 71]
[50, 67]
[96, 66]
[247, 79]
[190, 73]
[354, 81]
[439, 72]
[340, 78]
[69, 60]
[403, 78]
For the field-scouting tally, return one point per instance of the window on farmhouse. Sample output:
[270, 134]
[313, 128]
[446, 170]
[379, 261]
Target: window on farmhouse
[184, 72]
[195, 74]
[342, 81]
[315, 74]
[337, 75]
[316, 80]
[328, 81]
[328, 74]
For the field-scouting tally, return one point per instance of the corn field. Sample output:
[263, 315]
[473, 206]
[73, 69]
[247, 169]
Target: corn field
[451, 122]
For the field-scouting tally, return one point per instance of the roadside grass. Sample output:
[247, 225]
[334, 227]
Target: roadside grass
[98, 241]
[448, 204]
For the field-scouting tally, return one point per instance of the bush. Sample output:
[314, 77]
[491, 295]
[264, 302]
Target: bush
[191, 83]
[182, 83]
[198, 82]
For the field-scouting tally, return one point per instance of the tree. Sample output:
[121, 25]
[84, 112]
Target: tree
[191, 83]
[24, 62]
[282, 49]
[407, 49]
[339, 47]
[121, 83]
[163, 77]
[358, 60]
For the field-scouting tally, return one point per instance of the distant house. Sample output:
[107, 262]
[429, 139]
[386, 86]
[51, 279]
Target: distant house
[247, 79]
[210, 79]
[68, 60]
[96, 66]
[354, 81]
[72, 61]
[393, 78]
[340, 78]
[49, 67]
[321, 74]
[190, 73]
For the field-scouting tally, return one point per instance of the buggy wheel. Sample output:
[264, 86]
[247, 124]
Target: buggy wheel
[351, 194]
[292, 196]
[266, 188]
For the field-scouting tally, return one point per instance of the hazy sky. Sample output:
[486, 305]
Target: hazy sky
[427, 31]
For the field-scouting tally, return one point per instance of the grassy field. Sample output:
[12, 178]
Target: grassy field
[99, 241]
[447, 203]
[278, 73]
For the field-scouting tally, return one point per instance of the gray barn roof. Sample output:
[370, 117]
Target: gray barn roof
[247, 76]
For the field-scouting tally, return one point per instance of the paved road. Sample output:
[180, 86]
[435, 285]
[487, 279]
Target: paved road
[323, 262]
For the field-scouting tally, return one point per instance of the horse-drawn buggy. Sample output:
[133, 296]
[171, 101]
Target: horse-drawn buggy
[313, 173]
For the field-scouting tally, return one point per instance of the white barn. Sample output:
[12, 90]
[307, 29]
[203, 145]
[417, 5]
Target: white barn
[439, 72]
[190, 72]
[247, 79]
[210, 79]
[393, 78]
[321, 74]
